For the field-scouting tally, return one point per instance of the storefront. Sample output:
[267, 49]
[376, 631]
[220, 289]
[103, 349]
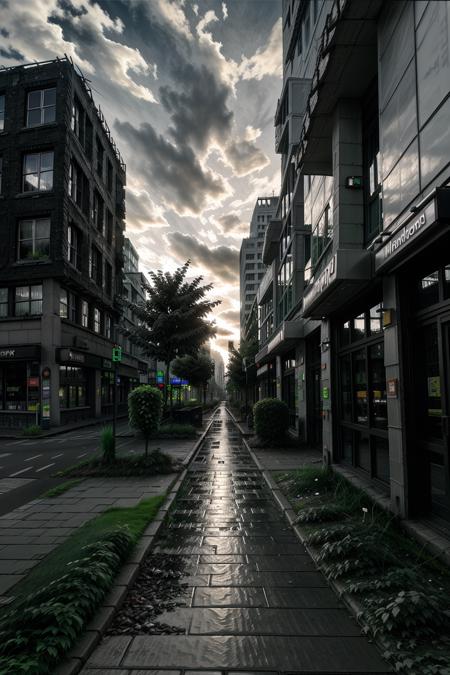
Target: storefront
[417, 256]
[288, 386]
[76, 385]
[267, 380]
[19, 385]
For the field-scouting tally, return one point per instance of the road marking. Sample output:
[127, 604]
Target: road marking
[5, 454]
[45, 467]
[82, 454]
[55, 456]
[28, 459]
[28, 468]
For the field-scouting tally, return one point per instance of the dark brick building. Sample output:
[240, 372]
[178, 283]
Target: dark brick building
[62, 221]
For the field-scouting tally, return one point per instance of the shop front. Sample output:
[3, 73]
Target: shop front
[19, 385]
[76, 393]
[417, 256]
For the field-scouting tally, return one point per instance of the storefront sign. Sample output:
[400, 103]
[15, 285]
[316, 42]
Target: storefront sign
[405, 235]
[33, 382]
[325, 393]
[70, 355]
[107, 364]
[7, 353]
[327, 276]
[32, 352]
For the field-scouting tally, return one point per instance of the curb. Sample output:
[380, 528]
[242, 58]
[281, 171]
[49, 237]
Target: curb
[94, 631]
[351, 604]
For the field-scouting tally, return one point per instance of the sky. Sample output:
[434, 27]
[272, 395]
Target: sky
[189, 90]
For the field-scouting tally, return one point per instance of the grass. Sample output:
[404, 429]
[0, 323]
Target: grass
[125, 466]
[32, 430]
[54, 565]
[395, 579]
[60, 489]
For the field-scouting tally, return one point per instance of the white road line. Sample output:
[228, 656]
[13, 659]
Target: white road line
[28, 459]
[55, 456]
[45, 467]
[82, 454]
[28, 468]
[5, 454]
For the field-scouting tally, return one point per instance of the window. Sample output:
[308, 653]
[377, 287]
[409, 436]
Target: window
[78, 120]
[107, 326]
[3, 302]
[109, 176]
[34, 239]
[109, 226]
[250, 256]
[84, 314]
[108, 278]
[74, 246]
[73, 387]
[63, 303]
[97, 320]
[41, 107]
[72, 307]
[322, 233]
[28, 300]
[38, 172]
[98, 210]
[100, 154]
[96, 266]
[2, 112]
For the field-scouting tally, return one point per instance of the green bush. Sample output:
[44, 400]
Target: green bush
[145, 410]
[108, 445]
[37, 633]
[32, 430]
[177, 431]
[271, 418]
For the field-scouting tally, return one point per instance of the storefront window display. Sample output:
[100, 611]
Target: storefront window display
[72, 387]
[19, 387]
[363, 398]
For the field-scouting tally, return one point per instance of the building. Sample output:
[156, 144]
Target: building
[250, 257]
[362, 357]
[62, 211]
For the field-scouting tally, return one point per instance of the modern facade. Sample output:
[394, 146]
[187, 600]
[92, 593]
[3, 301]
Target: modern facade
[362, 356]
[250, 257]
[62, 211]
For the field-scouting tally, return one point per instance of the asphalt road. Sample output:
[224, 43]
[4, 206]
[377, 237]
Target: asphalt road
[27, 466]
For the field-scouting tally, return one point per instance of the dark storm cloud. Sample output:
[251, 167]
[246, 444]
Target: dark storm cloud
[3, 31]
[230, 223]
[142, 213]
[11, 53]
[231, 315]
[199, 110]
[220, 261]
[245, 157]
[69, 8]
[175, 171]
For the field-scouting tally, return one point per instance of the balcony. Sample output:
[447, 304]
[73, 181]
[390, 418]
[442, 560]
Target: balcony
[289, 113]
[346, 62]
[265, 284]
[271, 241]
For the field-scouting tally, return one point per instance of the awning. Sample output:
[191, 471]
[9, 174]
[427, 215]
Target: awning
[285, 338]
[347, 272]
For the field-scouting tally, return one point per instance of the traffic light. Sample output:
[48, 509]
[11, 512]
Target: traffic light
[117, 353]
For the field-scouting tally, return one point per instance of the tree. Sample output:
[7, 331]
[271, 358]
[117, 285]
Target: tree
[173, 318]
[237, 380]
[197, 369]
[145, 410]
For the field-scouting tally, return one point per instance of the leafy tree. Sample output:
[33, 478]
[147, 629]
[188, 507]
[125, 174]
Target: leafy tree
[197, 369]
[173, 318]
[145, 411]
[236, 377]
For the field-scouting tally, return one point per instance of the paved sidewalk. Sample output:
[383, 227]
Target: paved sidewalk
[254, 601]
[30, 532]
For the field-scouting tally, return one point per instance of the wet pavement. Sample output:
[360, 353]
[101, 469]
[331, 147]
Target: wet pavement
[249, 597]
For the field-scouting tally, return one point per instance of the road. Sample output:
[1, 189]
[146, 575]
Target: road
[27, 466]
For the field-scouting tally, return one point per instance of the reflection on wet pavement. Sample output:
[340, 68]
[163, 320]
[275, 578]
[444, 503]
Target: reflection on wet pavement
[244, 594]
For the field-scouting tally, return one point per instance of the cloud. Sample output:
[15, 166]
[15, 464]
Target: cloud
[266, 60]
[224, 11]
[245, 157]
[222, 262]
[230, 315]
[142, 212]
[171, 11]
[230, 223]
[184, 184]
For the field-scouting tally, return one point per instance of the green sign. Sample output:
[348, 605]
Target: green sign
[117, 354]
[325, 393]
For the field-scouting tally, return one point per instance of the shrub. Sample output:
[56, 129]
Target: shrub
[108, 445]
[177, 431]
[145, 410]
[271, 418]
[321, 514]
[32, 430]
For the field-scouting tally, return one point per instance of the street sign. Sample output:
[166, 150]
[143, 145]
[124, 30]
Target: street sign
[117, 354]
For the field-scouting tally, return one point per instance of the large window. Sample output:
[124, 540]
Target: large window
[322, 233]
[285, 286]
[41, 107]
[72, 387]
[79, 188]
[37, 172]
[84, 314]
[96, 266]
[28, 300]
[363, 398]
[97, 320]
[34, 239]
[98, 211]
[78, 120]
[74, 246]
[2, 112]
[3, 302]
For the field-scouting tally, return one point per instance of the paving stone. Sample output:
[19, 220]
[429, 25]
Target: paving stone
[282, 563]
[110, 652]
[240, 576]
[229, 597]
[302, 654]
[319, 598]
[7, 581]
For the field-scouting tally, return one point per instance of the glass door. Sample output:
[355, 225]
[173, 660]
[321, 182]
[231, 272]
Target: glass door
[433, 411]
